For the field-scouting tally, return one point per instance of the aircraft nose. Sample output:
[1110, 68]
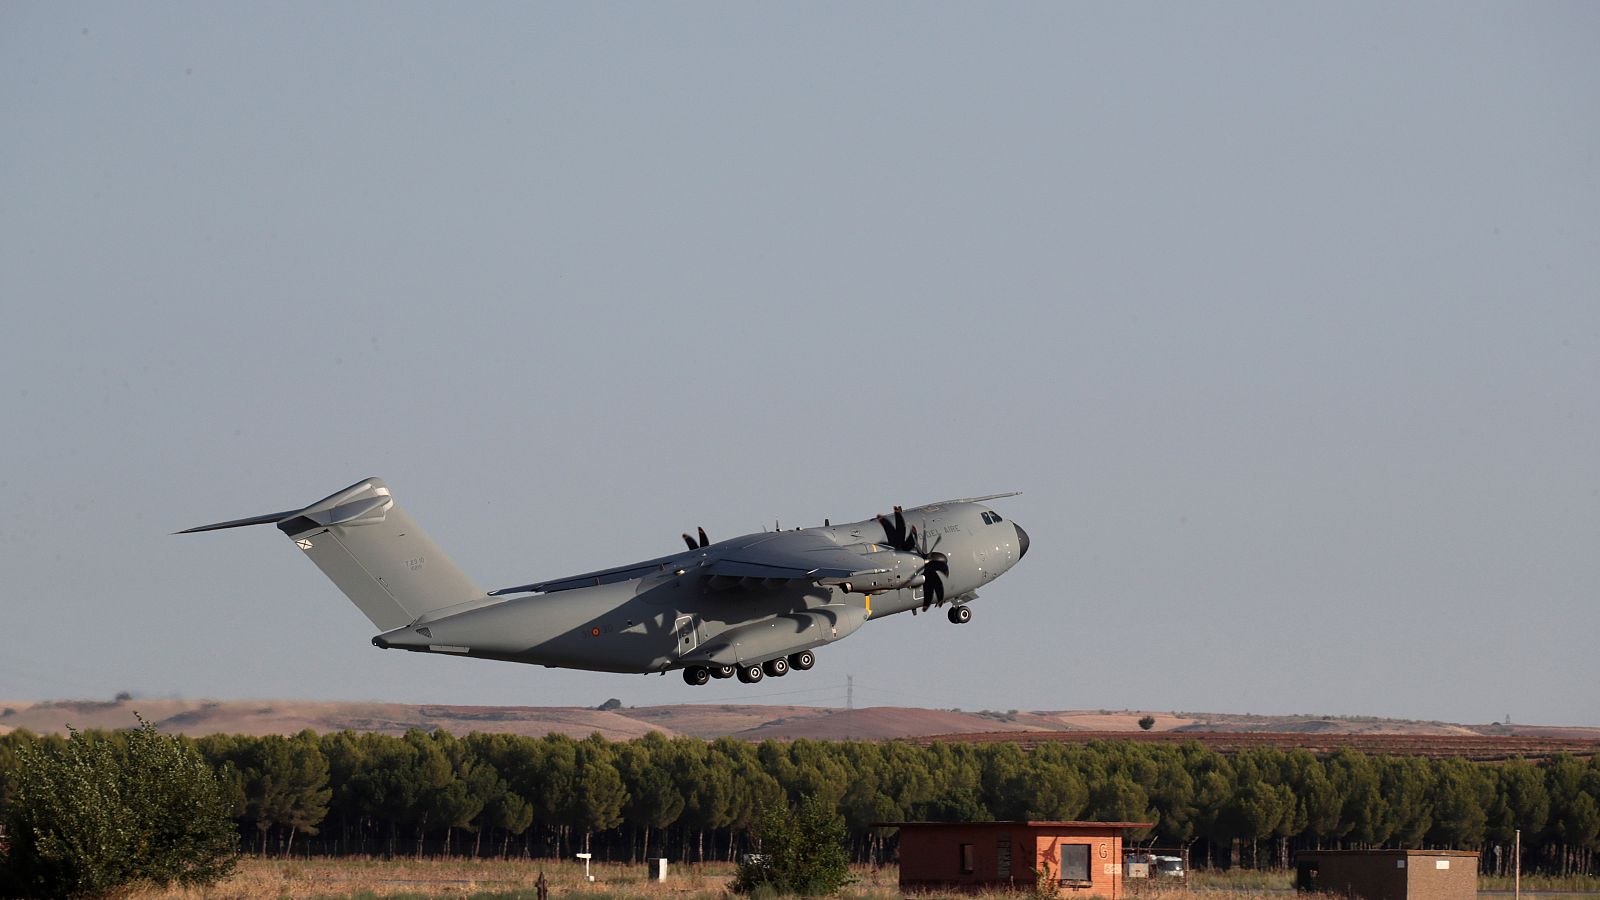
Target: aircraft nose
[1022, 541]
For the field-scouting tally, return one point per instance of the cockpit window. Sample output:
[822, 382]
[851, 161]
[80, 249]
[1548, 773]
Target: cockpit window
[990, 518]
[995, 520]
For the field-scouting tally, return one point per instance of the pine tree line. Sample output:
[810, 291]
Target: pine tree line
[692, 800]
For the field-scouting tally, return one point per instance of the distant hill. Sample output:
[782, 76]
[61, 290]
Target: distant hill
[745, 721]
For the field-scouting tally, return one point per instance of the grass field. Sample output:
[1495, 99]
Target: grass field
[485, 879]
[515, 880]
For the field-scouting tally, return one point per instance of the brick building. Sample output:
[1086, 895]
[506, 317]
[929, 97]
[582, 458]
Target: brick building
[1072, 857]
[1389, 874]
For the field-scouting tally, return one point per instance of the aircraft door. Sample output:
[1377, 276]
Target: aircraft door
[688, 638]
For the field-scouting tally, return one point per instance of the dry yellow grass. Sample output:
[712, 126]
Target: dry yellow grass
[362, 878]
[326, 878]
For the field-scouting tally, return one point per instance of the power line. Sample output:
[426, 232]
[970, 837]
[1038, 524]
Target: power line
[849, 706]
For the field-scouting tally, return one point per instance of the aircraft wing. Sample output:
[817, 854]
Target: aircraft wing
[780, 554]
[790, 554]
[589, 579]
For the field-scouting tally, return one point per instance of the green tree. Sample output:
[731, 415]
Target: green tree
[284, 782]
[551, 783]
[1460, 796]
[1520, 802]
[1174, 800]
[705, 778]
[597, 791]
[654, 800]
[93, 813]
[1147, 723]
[1574, 824]
[958, 794]
[11, 745]
[1259, 808]
[1119, 798]
[1406, 785]
[474, 783]
[728, 790]
[1366, 816]
[511, 814]
[802, 852]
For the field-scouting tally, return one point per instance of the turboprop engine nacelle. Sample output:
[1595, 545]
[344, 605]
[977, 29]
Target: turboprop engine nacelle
[900, 570]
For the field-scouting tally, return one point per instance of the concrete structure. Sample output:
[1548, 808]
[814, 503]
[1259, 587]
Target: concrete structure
[1389, 874]
[1071, 857]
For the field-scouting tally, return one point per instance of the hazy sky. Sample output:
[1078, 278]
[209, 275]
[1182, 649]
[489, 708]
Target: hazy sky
[1285, 318]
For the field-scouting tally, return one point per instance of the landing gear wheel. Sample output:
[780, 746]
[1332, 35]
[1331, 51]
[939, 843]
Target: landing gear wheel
[696, 675]
[802, 661]
[777, 668]
[750, 674]
[724, 671]
[960, 615]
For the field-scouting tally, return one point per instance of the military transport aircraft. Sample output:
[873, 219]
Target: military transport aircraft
[748, 606]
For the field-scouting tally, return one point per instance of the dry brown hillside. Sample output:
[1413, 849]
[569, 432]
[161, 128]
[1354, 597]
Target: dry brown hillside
[749, 721]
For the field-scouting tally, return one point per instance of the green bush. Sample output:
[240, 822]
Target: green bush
[802, 852]
[95, 813]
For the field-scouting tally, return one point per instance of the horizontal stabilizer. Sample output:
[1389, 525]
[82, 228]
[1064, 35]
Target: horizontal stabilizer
[268, 519]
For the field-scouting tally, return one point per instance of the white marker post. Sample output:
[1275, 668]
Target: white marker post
[586, 857]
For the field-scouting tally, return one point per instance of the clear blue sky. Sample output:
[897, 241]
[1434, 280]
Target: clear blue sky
[1286, 318]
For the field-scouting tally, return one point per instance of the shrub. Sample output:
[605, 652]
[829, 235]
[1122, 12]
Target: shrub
[95, 813]
[802, 852]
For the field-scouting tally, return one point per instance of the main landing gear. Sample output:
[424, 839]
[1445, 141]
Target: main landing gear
[750, 673]
[959, 615]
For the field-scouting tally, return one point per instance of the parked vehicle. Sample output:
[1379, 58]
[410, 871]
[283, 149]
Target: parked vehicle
[1144, 864]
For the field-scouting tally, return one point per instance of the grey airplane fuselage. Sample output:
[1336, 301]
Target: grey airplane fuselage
[675, 616]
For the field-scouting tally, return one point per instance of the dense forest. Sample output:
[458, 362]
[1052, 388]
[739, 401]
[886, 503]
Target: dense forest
[691, 800]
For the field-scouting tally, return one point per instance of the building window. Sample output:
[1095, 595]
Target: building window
[969, 861]
[1074, 863]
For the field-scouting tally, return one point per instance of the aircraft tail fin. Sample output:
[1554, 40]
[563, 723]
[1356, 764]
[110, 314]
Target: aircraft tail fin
[373, 550]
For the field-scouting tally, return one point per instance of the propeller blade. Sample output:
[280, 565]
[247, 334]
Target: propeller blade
[932, 583]
[690, 541]
[704, 541]
[888, 531]
[899, 530]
